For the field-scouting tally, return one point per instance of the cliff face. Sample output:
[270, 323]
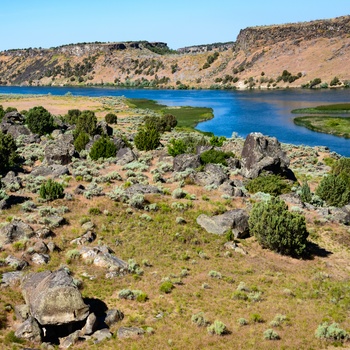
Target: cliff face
[317, 49]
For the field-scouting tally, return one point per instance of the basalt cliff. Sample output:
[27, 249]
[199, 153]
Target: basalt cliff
[309, 54]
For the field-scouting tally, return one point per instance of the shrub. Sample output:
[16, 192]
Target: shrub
[256, 318]
[147, 138]
[305, 194]
[39, 120]
[176, 147]
[86, 122]
[242, 321]
[331, 332]
[334, 81]
[166, 287]
[217, 141]
[200, 320]
[8, 151]
[81, 141]
[169, 121]
[51, 190]
[334, 190]
[278, 229]
[272, 184]
[103, 148]
[218, 328]
[72, 116]
[315, 82]
[111, 118]
[270, 334]
[342, 168]
[215, 157]
[95, 211]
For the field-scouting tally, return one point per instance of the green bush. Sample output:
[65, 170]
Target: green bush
[270, 334]
[103, 148]
[81, 141]
[169, 121]
[217, 141]
[342, 168]
[218, 328]
[51, 190]
[8, 151]
[86, 122]
[214, 156]
[72, 116]
[199, 319]
[39, 120]
[166, 287]
[111, 118]
[147, 138]
[278, 229]
[2, 112]
[272, 184]
[334, 190]
[305, 194]
[176, 147]
[331, 332]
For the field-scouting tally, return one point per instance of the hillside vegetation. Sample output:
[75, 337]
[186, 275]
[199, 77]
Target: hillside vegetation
[310, 55]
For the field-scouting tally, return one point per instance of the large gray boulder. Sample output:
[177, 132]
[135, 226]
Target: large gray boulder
[29, 330]
[104, 128]
[143, 189]
[53, 298]
[183, 161]
[22, 131]
[213, 174]
[125, 155]
[235, 220]
[54, 170]
[15, 231]
[262, 153]
[59, 152]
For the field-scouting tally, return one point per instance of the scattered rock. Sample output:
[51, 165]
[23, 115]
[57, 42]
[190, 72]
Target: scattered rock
[235, 247]
[15, 231]
[44, 232]
[40, 259]
[262, 153]
[183, 161]
[235, 220]
[213, 174]
[11, 181]
[90, 325]
[54, 170]
[53, 298]
[59, 152]
[88, 237]
[15, 263]
[70, 340]
[341, 215]
[104, 128]
[129, 332]
[125, 155]
[29, 330]
[101, 335]
[79, 189]
[113, 316]
[10, 279]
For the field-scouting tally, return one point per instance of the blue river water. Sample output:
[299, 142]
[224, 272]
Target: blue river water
[242, 112]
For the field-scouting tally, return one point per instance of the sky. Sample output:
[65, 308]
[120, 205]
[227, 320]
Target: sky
[179, 23]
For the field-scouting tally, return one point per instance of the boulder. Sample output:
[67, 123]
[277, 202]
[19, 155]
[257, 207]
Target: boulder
[262, 153]
[59, 152]
[143, 189]
[21, 312]
[15, 263]
[15, 231]
[113, 316]
[125, 155]
[119, 143]
[213, 174]
[54, 170]
[40, 259]
[10, 279]
[90, 325]
[53, 298]
[12, 181]
[235, 220]
[129, 332]
[104, 128]
[101, 335]
[22, 131]
[183, 161]
[79, 189]
[29, 330]
[70, 340]
[87, 237]
[341, 215]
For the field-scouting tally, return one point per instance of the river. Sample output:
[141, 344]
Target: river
[243, 112]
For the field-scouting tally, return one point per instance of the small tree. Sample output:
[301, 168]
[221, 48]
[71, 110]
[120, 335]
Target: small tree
[72, 116]
[111, 118]
[147, 138]
[305, 195]
[51, 190]
[278, 229]
[214, 156]
[169, 121]
[8, 151]
[103, 148]
[334, 190]
[87, 123]
[2, 112]
[39, 120]
[81, 141]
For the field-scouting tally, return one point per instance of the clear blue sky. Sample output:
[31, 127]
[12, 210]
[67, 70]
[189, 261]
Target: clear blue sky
[47, 23]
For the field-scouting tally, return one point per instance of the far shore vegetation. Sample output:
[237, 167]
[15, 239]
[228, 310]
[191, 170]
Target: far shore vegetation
[339, 108]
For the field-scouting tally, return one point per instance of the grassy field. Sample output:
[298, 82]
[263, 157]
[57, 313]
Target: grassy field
[187, 117]
[337, 126]
[339, 108]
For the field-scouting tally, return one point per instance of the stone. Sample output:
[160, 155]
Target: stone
[90, 325]
[40, 259]
[113, 316]
[21, 312]
[52, 247]
[262, 153]
[15, 263]
[119, 143]
[22, 132]
[143, 189]
[101, 335]
[104, 128]
[53, 220]
[88, 237]
[212, 174]
[88, 226]
[235, 247]
[125, 155]
[12, 181]
[29, 330]
[79, 189]
[54, 170]
[15, 231]
[341, 215]
[10, 279]
[59, 152]
[44, 232]
[235, 220]
[129, 332]
[40, 247]
[70, 340]
[53, 298]
[183, 161]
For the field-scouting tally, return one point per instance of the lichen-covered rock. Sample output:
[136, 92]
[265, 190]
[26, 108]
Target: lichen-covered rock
[113, 316]
[183, 161]
[11, 181]
[104, 128]
[101, 335]
[143, 189]
[54, 170]
[29, 330]
[59, 152]
[262, 153]
[212, 174]
[235, 220]
[129, 332]
[10, 279]
[15, 231]
[125, 155]
[15, 263]
[53, 298]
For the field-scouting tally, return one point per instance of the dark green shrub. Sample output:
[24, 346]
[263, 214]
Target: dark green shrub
[39, 120]
[147, 138]
[176, 147]
[103, 148]
[315, 82]
[334, 190]
[215, 157]
[278, 229]
[342, 168]
[111, 118]
[95, 211]
[334, 81]
[188, 144]
[2, 112]
[305, 195]
[72, 116]
[8, 151]
[217, 141]
[10, 109]
[81, 141]
[169, 121]
[51, 190]
[86, 122]
[272, 184]
[166, 287]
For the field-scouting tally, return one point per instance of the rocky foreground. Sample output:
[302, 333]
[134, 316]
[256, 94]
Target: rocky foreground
[197, 215]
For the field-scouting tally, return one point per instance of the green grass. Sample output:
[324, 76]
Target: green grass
[339, 108]
[187, 117]
[337, 126]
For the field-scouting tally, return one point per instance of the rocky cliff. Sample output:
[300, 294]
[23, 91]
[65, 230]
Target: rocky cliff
[274, 56]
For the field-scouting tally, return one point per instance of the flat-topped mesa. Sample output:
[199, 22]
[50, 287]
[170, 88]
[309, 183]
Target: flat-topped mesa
[206, 47]
[82, 49]
[268, 35]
